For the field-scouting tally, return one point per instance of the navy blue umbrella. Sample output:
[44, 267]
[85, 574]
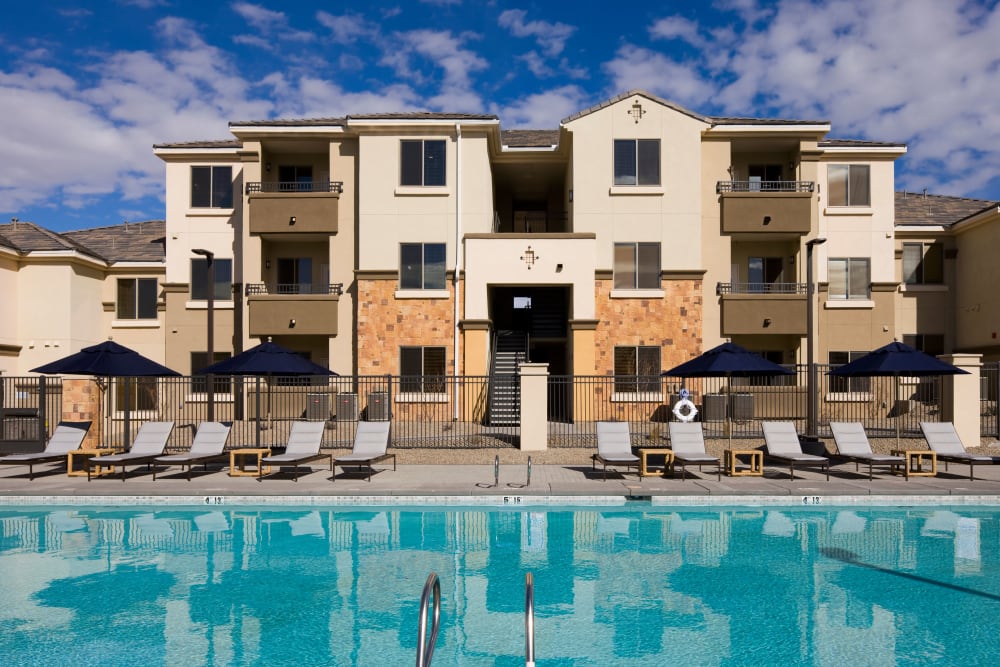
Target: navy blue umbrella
[897, 359]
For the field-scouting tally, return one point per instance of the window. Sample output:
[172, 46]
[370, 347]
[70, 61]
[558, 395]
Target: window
[422, 162]
[637, 161]
[637, 266]
[139, 396]
[199, 383]
[764, 274]
[923, 263]
[764, 177]
[849, 185]
[843, 385]
[292, 178]
[136, 299]
[211, 187]
[421, 266]
[932, 344]
[422, 370]
[223, 279]
[295, 275]
[637, 369]
[850, 278]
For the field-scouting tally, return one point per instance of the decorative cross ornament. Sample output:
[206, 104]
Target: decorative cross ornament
[637, 111]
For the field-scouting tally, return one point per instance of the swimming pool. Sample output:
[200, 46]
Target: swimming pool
[628, 586]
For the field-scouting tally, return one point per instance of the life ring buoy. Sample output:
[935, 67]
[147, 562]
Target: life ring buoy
[685, 411]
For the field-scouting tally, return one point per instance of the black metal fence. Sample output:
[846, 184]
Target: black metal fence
[30, 409]
[989, 389]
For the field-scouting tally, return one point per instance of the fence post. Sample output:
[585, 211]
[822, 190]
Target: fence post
[960, 397]
[534, 407]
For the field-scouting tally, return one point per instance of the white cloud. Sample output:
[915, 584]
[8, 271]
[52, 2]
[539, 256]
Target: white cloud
[270, 24]
[635, 67]
[542, 110]
[408, 52]
[551, 37]
[677, 27]
[347, 28]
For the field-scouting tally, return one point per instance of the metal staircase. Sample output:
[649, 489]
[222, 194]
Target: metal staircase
[510, 348]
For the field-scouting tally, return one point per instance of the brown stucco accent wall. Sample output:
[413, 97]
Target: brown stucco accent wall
[385, 323]
[672, 322]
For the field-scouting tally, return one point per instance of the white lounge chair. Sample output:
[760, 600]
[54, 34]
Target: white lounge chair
[208, 445]
[370, 443]
[782, 442]
[946, 443]
[687, 441]
[148, 444]
[304, 442]
[67, 437]
[614, 447]
[852, 444]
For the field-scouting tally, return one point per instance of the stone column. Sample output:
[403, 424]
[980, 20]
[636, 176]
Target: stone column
[534, 407]
[82, 402]
[960, 397]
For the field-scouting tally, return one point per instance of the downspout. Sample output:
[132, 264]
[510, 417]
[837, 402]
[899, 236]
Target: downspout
[458, 261]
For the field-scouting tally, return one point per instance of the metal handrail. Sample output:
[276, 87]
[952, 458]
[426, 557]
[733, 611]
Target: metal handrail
[295, 186]
[764, 186]
[760, 288]
[425, 645]
[286, 289]
[529, 620]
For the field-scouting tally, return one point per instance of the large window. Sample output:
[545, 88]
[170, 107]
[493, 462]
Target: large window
[421, 266]
[422, 370]
[842, 385]
[849, 277]
[637, 161]
[422, 162]
[295, 275]
[932, 344]
[136, 299]
[223, 279]
[293, 178]
[211, 187]
[637, 368]
[637, 266]
[923, 263]
[849, 185]
[199, 383]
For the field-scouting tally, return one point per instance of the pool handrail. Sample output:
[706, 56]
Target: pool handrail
[425, 645]
[529, 620]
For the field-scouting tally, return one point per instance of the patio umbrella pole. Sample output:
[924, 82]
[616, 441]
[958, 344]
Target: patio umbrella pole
[258, 412]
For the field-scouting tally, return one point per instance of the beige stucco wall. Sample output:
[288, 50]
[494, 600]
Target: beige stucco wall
[9, 338]
[977, 299]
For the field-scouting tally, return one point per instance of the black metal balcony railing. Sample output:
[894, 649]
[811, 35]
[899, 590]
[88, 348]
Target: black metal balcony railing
[764, 186]
[295, 186]
[253, 289]
[760, 288]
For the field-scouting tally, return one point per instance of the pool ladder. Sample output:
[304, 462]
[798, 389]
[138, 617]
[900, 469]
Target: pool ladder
[430, 601]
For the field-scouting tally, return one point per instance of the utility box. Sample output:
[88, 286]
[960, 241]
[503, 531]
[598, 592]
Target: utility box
[378, 406]
[741, 407]
[347, 407]
[714, 408]
[317, 407]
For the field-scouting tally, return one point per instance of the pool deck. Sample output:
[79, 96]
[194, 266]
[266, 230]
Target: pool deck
[573, 484]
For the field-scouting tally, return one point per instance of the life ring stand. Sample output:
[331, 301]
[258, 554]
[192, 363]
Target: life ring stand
[685, 410]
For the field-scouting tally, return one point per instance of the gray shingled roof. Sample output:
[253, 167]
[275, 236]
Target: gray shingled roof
[421, 115]
[208, 143]
[291, 122]
[129, 242]
[858, 143]
[529, 138]
[26, 237]
[924, 209]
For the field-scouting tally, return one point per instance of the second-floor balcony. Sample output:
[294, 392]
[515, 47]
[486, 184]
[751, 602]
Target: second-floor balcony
[293, 308]
[770, 207]
[763, 308]
[294, 207]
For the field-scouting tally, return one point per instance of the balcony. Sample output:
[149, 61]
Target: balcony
[763, 308]
[295, 308]
[280, 207]
[770, 207]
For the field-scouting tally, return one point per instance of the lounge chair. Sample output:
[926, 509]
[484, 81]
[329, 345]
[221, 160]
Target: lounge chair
[614, 447]
[208, 445]
[303, 445]
[370, 443]
[782, 443]
[67, 437]
[687, 440]
[943, 439]
[147, 446]
[853, 445]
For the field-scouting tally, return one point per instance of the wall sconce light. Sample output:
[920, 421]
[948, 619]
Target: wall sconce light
[267, 166]
[636, 111]
[767, 219]
[291, 323]
[767, 322]
[571, 196]
[267, 264]
[558, 268]
[529, 257]
[291, 220]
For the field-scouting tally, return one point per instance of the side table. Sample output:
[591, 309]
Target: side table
[668, 462]
[736, 468]
[241, 470]
[914, 462]
[72, 470]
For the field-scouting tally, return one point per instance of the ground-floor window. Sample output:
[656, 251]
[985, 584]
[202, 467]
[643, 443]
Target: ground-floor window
[422, 369]
[637, 368]
[847, 385]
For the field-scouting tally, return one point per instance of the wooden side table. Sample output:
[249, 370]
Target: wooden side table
[96, 469]
[736, 468]
[914, 462]
[241, 470]
[668, 462]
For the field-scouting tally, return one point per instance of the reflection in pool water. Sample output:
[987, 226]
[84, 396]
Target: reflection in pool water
[642, 586]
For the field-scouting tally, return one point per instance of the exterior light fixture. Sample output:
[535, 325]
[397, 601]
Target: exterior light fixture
[637, 112]
[529, 257]
[291, 220]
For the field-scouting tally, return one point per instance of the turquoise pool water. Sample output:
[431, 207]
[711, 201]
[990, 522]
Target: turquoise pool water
[635, 586]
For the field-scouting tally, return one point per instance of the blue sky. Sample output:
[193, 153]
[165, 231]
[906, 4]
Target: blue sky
[87, 88]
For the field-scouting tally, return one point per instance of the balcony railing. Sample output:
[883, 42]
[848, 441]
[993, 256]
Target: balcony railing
[255, 289]
[295, 186]
[760, 288]
[764, 186]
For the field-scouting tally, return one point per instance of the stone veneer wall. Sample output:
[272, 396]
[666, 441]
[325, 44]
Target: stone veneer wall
[386, 323]
[673, 322]
[81, 401]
